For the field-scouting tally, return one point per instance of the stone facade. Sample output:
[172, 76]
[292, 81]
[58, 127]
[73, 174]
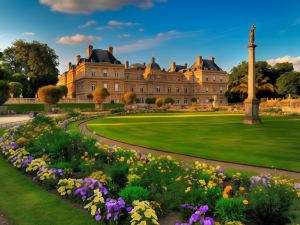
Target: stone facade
[204, 80]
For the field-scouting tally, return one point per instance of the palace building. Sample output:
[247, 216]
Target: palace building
[202, 81]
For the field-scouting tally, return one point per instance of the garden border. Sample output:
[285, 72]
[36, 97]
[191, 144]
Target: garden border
[224, 164]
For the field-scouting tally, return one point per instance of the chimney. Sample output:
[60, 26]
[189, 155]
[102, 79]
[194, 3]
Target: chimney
[152, 60]
[185, 65]
[173, 67]
[212, 59]
[199, 61]
[89, 50]
[78, 57]
[110, 49]
[126, 64]
[70, 65]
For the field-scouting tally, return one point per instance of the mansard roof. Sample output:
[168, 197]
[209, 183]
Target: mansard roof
[207, 64]
[138, 66]
[102, 56]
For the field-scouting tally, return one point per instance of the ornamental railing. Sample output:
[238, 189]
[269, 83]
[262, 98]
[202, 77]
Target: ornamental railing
[37, 101]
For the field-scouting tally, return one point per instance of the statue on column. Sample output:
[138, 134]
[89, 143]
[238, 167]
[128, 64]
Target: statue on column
[252, 34]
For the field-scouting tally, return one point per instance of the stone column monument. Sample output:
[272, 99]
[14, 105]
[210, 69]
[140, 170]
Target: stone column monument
[251, 103]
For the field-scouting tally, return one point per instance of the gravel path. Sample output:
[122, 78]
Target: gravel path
[255, 169]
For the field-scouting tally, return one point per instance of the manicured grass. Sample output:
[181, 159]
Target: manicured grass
[73, 126]
[275, 143]
[24, 203]
[24, 108]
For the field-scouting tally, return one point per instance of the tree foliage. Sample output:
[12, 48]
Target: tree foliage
[129, 98]
[63, 90]
[15, 89]
[4, 92]
[289, 84]
[32, 59]
[49, 94]
[169, 101]
[100, 94]
[159, 102]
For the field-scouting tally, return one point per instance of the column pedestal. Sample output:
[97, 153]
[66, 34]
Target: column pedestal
[251, 111]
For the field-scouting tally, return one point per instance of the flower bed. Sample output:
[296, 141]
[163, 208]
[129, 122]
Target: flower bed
[121, 186]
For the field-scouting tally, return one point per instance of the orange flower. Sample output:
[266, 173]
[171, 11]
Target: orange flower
[245, 202]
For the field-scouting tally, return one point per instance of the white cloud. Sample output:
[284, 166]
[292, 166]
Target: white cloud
[125, 35]
[141, 30]
[105, 28]
[120, 24]
[77, 39]
[89, 6]
[150, 42]
[28, 34]
[88, 24]
[290, 59]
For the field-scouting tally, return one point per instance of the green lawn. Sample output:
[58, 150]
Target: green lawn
[73, 126]
[23, 202]
[275, 143]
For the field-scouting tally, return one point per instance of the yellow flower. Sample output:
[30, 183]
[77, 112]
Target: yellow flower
[241, 188]
[225, 195]
[245, 202]
[187, 189]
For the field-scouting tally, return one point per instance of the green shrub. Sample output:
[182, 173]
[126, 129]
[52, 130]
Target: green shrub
[74, 112]
[4, 92]
[118, 173]
[270, 205]
[118, 110]
[132, 193]
[231, 209]
[294, 212]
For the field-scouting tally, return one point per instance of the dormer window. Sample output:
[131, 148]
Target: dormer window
[104, 73]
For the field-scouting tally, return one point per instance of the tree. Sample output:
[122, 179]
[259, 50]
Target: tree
[15, 89]
[129, 98]
[4, 92]
[150, 100]
[99, 96]
[289, 84]
[193, 100]
[32, 59]
[63, 90]
[279, 69]
[169, 101]
[159, 102]
[90, 96]
[50, 95]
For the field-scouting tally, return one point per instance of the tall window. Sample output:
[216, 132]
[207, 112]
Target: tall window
[206, 89]
[116, 87]
[215, 90]
[176, 101]
[93, 87]
[116, 74]
[214, 78]
[177, 89]
[158, 89]
[142, 90]
[93, 73]
[206, 79]
[104, 73]
[169, 90]
[221, 89]
[185, 101]
[132, 89]
[105, 86]
[185, 90]
[221, 79]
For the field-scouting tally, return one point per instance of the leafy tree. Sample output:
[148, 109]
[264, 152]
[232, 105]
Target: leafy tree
[15, 89]
[289, 84]
[159, 102]
[90, 96]
[193, 100]
[99, 96]
[129, 98]
[35, 60]
[50, 95]
[169, 101]
[279, 69]
[63, 90]
[150, 100]
[4, 92]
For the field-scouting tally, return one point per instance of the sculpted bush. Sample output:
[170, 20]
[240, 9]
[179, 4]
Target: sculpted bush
[50, 95]
[129, 98]
[99, 96]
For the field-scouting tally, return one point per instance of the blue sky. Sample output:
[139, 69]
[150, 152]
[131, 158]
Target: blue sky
[170, 30]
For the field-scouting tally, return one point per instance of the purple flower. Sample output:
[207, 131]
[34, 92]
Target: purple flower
[129, 209]
[203, 209]
[98, 217]
[207, 221]
[195, 217]
[297, 186]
